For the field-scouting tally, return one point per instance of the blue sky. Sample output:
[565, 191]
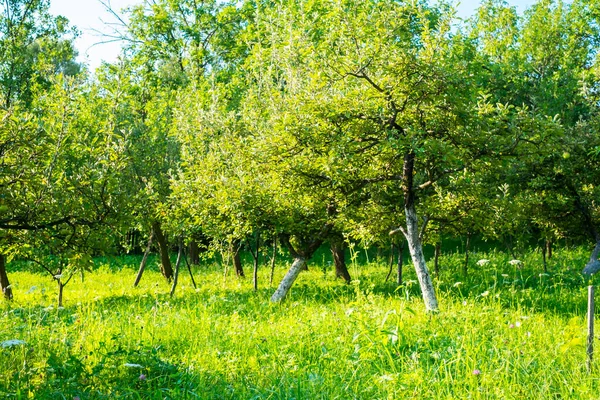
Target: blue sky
[91, 18]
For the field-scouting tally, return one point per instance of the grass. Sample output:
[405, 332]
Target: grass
[504, 332]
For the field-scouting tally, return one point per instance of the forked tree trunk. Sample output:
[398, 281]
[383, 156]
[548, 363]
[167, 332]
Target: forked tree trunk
[177, 265]
[165, 262]
[413, 235]
[144, 261]
[4, 283]
[289, 279]
[339, 259]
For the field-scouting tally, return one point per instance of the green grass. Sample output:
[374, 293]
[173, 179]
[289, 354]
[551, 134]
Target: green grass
[523, 331]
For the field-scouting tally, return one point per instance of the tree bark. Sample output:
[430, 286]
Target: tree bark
[165, 262]
[339, 259]
[237, 260]
[413, 237]
[289, 279]
[549, 248]
[4, 283]
[144, 260]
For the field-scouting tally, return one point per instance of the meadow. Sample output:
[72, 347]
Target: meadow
[506, 331]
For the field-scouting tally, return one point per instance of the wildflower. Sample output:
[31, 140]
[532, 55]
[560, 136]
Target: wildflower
[515, 262]
[464, 303]
[457, 284]
[511, 326]
[142, 377]
[476, 372]
[528, 334]
[482, 262]
[518, 324]
[486, 293]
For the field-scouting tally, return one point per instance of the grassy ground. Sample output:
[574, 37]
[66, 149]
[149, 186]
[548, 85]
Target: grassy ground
[506, 332]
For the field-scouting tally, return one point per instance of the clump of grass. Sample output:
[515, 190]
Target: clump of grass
[504, 332]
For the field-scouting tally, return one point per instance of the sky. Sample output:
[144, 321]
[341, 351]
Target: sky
[91, 18]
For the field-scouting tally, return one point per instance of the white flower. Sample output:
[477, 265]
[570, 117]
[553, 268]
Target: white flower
[482, 262]
[486, 293]
[12, 343]
[128, 365]
[457, 284]
[515, 262]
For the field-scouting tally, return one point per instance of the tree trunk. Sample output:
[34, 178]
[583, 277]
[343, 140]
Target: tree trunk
[467, 246]
[400, 264]
[237, 260]
[144, 260]
[165, 262]
[549, 248]
[273, 260]
[339, 259]
[194, 253]
[413, 237]
[255, 256]
[61, 288]
[289, 279]
[544, 249]
[177, 264]
[4, 283]
[436, 259]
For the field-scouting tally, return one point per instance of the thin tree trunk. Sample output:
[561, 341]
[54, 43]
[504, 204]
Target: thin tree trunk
[177, 264]
[467, 247]
[237, 260]
[194, 253]
[165, 262]
[400, 264]
[255, 255]
[413, 236]
[436, 259]
[289, 279]
[144, 260]
[339, 259]
[273, 260]
[391, 263]
[4, 283]
[544, 249]
[189, 268]
[549, 248]
[61, 288]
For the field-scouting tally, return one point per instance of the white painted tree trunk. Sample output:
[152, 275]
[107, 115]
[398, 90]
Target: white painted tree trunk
[418, 258]
[288, 279]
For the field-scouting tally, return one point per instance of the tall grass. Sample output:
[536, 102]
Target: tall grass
[505, 331]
